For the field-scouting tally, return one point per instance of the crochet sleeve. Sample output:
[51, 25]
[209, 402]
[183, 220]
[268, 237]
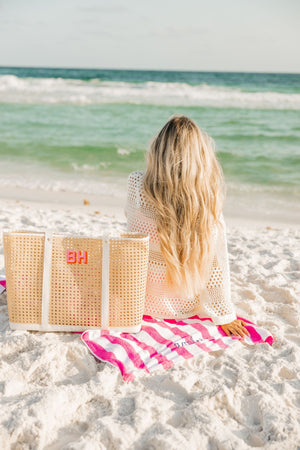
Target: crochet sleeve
[217, 301]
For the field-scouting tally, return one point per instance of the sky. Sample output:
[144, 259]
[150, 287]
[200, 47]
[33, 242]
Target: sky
[211, 35]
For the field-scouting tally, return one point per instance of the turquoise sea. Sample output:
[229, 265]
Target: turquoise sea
[85, 129]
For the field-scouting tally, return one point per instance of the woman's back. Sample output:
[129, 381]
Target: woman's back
[161, 301]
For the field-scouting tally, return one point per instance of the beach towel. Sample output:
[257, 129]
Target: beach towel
[2, 285]
[163, 343]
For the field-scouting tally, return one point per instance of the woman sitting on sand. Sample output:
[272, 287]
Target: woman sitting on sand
[178, 202]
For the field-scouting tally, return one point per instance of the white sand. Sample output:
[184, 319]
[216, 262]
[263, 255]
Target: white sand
[56, 395]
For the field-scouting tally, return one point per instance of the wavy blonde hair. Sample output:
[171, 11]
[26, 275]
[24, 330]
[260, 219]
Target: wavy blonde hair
[184, 182]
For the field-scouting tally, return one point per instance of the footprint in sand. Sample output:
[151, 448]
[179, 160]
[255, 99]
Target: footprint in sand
[286, 373]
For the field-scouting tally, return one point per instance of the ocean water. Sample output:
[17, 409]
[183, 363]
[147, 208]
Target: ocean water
[85, 130]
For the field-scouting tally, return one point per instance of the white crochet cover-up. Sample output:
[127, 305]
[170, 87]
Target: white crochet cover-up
[214, 301]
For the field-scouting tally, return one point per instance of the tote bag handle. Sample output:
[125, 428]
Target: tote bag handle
[105, 283]
[46, 276]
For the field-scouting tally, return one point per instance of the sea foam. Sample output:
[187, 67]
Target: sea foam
[79, 92]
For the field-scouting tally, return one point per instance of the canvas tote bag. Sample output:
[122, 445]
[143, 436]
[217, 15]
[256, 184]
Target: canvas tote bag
[57, 282]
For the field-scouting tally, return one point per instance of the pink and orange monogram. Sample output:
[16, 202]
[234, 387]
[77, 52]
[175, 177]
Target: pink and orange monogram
[73, 257]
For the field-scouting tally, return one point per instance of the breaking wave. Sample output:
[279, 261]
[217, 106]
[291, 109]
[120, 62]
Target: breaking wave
[92, 92]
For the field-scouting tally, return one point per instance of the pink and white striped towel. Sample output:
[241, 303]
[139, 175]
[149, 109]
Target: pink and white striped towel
[2, 285]
[162, 343]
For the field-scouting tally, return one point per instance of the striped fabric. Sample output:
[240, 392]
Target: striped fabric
[162, 343]
[2, 285]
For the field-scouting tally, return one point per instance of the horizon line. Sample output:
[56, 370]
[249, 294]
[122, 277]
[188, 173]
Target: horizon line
[144, 70]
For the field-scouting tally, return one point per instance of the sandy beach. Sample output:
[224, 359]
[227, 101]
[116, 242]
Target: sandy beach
[86, 91]
[55, 394]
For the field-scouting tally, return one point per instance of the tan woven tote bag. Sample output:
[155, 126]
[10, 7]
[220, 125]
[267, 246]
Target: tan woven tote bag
[56, 282]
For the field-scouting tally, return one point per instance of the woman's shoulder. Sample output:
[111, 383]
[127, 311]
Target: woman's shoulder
[135, 176]
[136, 173]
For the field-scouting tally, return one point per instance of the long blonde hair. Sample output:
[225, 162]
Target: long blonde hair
[184, 182]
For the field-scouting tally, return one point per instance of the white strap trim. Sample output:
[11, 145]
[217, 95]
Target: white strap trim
[46, 276]
[105, 284]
